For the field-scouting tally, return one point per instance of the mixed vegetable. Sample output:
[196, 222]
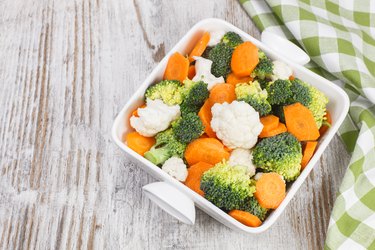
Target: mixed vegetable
[231, 124]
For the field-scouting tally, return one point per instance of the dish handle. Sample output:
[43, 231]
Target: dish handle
[171, 200]
[284, 47]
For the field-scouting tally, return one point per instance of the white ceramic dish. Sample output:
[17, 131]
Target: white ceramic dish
[173, 196]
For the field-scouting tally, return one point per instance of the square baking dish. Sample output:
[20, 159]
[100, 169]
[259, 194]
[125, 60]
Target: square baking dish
[176, 198]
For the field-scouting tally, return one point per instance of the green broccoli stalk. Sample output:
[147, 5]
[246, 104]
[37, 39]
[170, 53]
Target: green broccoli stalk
[252, 206]
[187, 128]
[232, 39]
[165, 147]
[279, 91]
[310, 97]
[194, 95]
[169, 91]
[221, 56]
[228, 187]
[281, 154]
[253, 95]
[264, 68]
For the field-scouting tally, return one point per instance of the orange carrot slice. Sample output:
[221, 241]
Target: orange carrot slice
[244, 59]
[234, 80]
[195, 172]
[245, 218]
[209, 150]
[221, 93]
[206, 116]
[300, 122]
[281, 128]
[270, 190]
[191, 72]
[177, 68]
[308, 152]
[269, 122]
[200, 46]
[139, 143]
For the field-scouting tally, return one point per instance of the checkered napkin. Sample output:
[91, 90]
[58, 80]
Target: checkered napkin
[339, 36]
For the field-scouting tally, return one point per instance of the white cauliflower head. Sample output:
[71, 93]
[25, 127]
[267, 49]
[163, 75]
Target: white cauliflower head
[215, 37]
[203, 72]
[242, 157]
[155, 117]
[176, 168]
[281, 71]
[237, 124]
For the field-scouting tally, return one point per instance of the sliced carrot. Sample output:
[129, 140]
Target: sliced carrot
[200, 46]
[191, 72]
[291, 78]
[308, 152]
[269, 122]
[323, 129]
[139, 143]
[135, 111]
[244, 59]
[221, 93]
[209, 150]
[281, 128]
[177, 68]
[300, 122]
[245, 218]
[270, 190]
[195, 172]
[206, 116]
[233, 79]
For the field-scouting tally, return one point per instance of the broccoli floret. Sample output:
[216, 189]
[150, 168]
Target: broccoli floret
[165, 147]
[206, 52]
[262, 82]
[281, 154]
[279, 91]
[264, 68]
[221, 56]
[310, 97]
[194, 95]
[253, 95]
[188, 128]
[169, 91]
[252, 206]
[278, 110]
[232, 39]
[228, 187]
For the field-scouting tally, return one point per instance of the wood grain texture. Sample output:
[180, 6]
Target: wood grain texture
[66, 69]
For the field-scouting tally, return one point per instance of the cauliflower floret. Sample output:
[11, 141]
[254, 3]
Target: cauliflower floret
[203, 72]
[236, 124]
[242, 157]
[215, 37]
[155, 117]
[176, 168]
[281, 71]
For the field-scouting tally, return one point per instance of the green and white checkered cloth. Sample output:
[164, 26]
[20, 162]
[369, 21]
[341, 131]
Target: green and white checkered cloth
[339, 36]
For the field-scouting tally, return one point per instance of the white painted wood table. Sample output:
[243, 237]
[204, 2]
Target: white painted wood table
[66, 69]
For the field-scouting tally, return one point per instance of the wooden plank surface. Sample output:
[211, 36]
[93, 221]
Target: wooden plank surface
[66, 69]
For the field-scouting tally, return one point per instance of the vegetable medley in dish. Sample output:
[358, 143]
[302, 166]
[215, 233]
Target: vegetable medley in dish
[231, 124]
